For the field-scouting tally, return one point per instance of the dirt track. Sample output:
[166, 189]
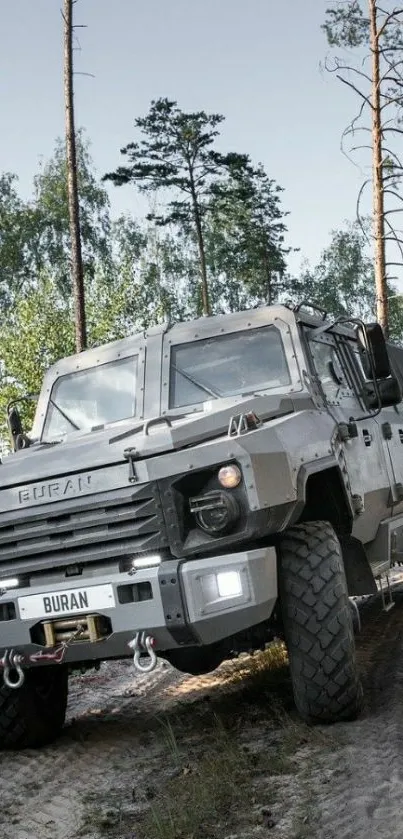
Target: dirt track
[135, 748]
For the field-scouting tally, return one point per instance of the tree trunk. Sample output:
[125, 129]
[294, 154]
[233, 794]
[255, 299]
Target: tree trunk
[268, 278]
[72, 188]
[202, 253]
[377, 178]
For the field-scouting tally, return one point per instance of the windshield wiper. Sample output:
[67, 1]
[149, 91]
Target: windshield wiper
[64, 415]
[193, 381]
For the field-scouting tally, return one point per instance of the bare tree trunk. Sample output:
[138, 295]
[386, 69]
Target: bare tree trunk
[72, 188]
[202, 253]
[268, 277]
[377, 178]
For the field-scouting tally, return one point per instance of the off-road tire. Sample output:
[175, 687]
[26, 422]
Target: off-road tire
[318, 625]
[33, 715]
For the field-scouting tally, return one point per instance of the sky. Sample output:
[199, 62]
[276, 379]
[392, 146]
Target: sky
[257, 62]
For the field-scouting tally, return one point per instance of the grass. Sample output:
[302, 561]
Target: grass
[207, 796]
[233, 750]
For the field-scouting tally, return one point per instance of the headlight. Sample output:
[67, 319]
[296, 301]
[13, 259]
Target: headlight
[230, 476]
[215, 512]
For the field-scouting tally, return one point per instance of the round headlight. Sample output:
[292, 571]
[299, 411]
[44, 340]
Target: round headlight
[230, 476]
[218, 516]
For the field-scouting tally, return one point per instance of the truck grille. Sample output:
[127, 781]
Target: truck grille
[106, 526]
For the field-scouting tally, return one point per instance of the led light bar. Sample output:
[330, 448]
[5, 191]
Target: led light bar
[146, 561]
[12, 582]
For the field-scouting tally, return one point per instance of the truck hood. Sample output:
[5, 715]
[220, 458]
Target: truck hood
[91, 450]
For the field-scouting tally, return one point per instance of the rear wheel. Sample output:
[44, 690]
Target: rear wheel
[318, 624]
[33, 715]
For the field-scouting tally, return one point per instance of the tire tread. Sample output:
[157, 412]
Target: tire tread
[33, 715]
[318, 624]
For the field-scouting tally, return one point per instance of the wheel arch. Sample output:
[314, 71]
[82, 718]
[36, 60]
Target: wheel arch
[324, 496]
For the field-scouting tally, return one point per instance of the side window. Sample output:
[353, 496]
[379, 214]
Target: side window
[329, 370]
[396, 358]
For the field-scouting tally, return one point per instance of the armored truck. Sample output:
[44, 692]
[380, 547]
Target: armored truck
[193, 492]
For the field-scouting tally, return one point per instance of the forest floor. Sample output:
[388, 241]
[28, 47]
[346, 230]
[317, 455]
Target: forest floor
[223, 756]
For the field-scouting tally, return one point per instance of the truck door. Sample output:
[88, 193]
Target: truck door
[367, 461]
[391, 424]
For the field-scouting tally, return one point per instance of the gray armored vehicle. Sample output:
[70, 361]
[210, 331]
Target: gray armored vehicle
[192, 493]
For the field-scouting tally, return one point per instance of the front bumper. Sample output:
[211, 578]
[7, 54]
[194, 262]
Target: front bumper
[189, 602]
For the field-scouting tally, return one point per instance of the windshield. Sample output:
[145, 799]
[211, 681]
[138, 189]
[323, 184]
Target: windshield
[227, 365]
[92, 397]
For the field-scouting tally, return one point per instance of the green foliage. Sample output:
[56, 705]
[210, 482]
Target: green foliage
[34, 235]
[37, 332]
[245, 238]
[168, 280]
[396, 317]
[175, 153]
[227, 215]
[343, 280]
[345, 24]
[19, 235]
[51, 205]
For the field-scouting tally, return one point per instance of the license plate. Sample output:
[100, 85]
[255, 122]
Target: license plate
[55, 604]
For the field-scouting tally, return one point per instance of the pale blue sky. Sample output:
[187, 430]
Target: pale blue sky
[255, 61]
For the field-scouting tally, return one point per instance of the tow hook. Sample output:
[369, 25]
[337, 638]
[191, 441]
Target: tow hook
[143, 643]
[10, 662]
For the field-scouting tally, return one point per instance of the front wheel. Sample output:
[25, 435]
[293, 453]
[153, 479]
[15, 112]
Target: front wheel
[33, 715]
[318, 625]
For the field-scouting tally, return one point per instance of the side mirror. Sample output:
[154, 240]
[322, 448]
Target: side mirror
[372, 346]
[389, 392]
[14, 422]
